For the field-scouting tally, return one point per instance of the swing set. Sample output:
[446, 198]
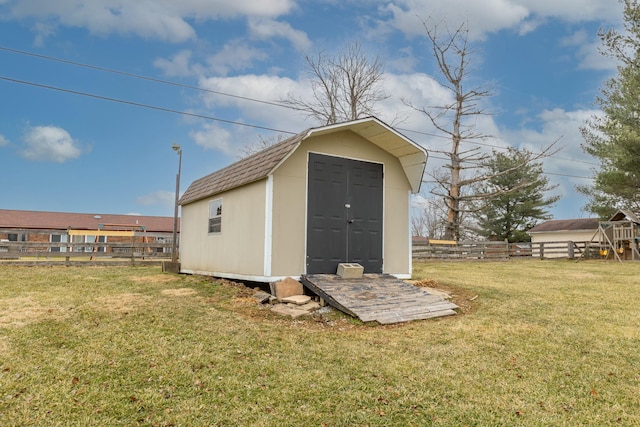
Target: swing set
[619, 237]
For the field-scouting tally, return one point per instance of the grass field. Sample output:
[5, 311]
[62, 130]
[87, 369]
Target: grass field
[536, 343]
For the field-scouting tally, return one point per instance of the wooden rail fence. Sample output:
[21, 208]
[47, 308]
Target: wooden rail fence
[489, 250]
[37, 246]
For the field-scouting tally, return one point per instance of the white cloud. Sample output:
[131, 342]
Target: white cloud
[418, 88]
[489, 16]
[43, 31]
[578, 38]
[575, 10]
[571, 162]
[586, 51]
[235, 56]
[483, 17]
[179, 65]
[159, 19]
[263, 87]
[214, 137]
[263, 28]
[50, 144]
[3, 141]
[162, 198]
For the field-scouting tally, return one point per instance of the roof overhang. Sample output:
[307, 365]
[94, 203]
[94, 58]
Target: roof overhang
[623, 214]
[412, 157]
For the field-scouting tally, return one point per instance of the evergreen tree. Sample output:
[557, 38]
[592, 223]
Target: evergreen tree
[519, 200]
[614, 137]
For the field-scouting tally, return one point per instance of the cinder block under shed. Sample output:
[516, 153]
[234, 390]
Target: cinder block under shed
[348, 270]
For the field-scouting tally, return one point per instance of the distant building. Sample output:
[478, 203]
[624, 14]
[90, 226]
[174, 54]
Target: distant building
[563, 230]
[65, 227]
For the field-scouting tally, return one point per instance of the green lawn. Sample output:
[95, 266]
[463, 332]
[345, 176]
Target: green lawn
[537, 343]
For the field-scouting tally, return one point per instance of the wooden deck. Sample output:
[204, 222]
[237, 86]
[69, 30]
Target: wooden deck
[378, 297]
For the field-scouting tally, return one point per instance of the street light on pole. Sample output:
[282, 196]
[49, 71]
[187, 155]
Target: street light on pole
[174, 246]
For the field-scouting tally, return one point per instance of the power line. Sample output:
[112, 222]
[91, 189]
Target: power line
[138, 104]
[171, 83]
[169, 110]
[493, 146]
[139, 76]
[277, 104]
[568, 176]
[186, 113]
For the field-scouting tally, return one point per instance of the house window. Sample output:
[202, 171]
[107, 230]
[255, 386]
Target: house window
[160, 240]
[215, 216]
[95, 239]
[88, 239]
[58, 238]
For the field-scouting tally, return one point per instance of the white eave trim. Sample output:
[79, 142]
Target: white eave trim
[413, 162]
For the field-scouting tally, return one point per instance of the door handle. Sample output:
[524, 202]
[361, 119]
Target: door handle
[350, 221]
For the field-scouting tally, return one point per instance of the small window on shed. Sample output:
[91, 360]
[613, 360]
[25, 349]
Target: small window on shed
[215, 216]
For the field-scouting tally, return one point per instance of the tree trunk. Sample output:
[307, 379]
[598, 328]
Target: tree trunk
[452, 231]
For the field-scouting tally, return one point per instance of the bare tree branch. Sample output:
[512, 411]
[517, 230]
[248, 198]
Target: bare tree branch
[452, 53]
[345, 87]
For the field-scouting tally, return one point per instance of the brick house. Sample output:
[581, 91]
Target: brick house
[53, 229]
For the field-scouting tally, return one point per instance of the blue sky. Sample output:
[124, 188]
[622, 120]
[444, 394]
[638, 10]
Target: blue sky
[62, 151]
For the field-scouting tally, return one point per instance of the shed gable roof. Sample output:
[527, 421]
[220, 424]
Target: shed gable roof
[558, 225]
[245, 171]
[412, 157]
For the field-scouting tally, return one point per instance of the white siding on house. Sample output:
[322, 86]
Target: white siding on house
[564, 236]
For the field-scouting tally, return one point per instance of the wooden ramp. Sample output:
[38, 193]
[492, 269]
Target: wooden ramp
[378, 297]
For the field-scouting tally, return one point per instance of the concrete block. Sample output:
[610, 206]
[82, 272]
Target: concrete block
[297, 299]
[285, 310]
[287, 287]
[350, 270]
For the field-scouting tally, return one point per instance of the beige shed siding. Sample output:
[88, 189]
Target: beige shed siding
[239, 248]
[289, 203]
[564, 236]
[560, 236]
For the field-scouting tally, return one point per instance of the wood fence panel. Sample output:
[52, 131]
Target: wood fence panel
[480, 250]
[140, 246]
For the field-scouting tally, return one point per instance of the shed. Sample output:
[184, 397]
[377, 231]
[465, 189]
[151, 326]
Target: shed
[560, 231]
[331, 194]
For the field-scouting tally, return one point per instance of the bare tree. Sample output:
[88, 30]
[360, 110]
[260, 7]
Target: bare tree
[345, 87]
[458, 121]
[426, 220]
[261, 144]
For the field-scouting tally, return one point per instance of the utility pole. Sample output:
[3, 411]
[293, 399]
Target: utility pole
[174, 246]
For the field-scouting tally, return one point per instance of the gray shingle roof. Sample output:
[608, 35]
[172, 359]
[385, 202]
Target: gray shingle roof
[566, 225]
[245, 171]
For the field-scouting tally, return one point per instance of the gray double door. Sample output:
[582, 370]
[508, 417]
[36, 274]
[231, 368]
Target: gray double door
[344, 214]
